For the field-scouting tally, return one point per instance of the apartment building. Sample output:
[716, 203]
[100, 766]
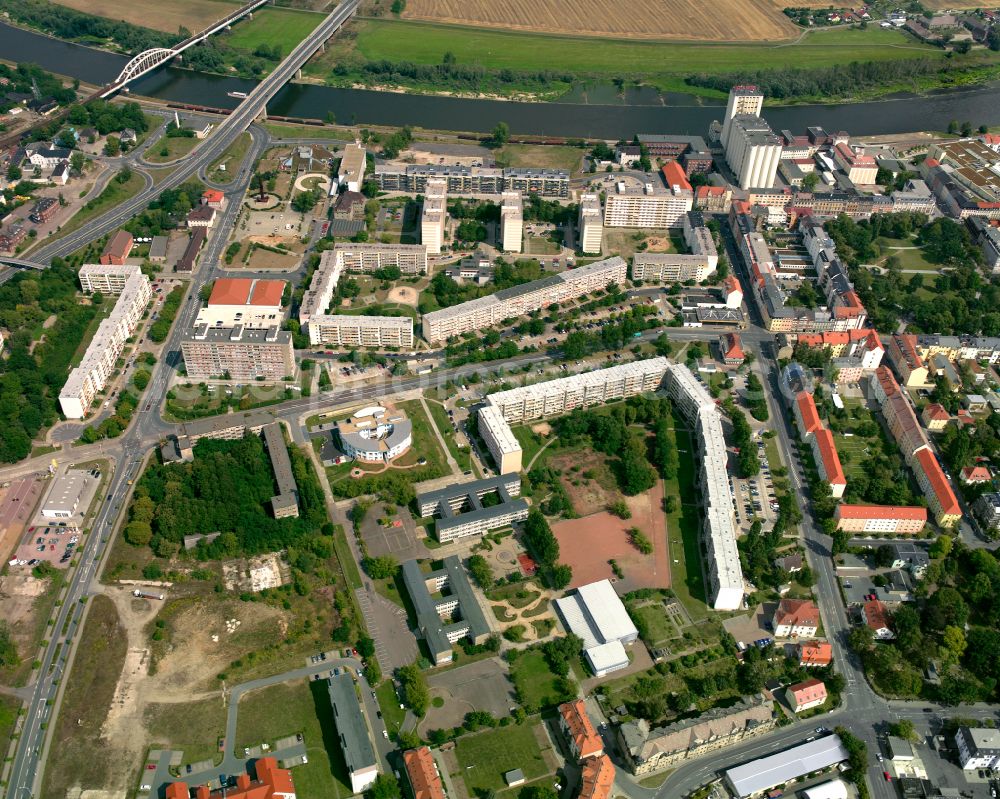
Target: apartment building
[353, 735]
[753, 151]
[556, 397]
[807, 694]
[795, 618]
[986, 509]
[351, 173]
[44, 210]
[977, 747]
[511, 221]
[423, 774]
[698, 265]
[244, 302]
[241, 353]
[940, 498]
[590, 224]
[460, 510]
[821, 440]
[101, 357]
[906, 361]
[878, 519]
[410, 259]
[284, 504]
[648, 207]
[581, 737]
[434, 215]
[725, 575]
[484, 312]
[109, 279]
[647, 749]
[465, 181]
[342, 330]
[743, 101]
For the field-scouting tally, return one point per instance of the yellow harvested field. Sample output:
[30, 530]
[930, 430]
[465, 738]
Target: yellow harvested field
[726, 20]
[163, 15]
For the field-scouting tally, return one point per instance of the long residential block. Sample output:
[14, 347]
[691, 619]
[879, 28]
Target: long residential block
[725, 575]
[672, 267]
[361, 331]
[465, 180]
[102, 355]
[239, 352]
[880, 519]
[491, 310]
[106, 278]
[410, 259]
[648, 207]
[590, 224]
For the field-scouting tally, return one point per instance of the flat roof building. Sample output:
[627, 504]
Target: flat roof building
[106, 278]
[285, 503]
[461, 512]
[978, 747]
[449, 618]
[101, 357]
[379, 332]
[511, 221]
[239, 352]
[491, 310]
[410, 259]
[351, 173]
[434, 215]
[650, 206]
[352, 732]
[375, 434]
[590, 224]
[66, 492]
[757, 776]
[596, 614]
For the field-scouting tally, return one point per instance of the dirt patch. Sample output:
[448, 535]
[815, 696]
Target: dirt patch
[407, 295]
[19, 595]
[658, 244]
[256, 574]
[588, 543]
[587, 479]
[542, 428]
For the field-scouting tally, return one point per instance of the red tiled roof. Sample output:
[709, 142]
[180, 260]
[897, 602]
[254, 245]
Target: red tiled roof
[267, 292]
[808, 690]
[831, 460]
[731, 284]
[797, 613]
[231, 291]
[887, 381]
[938, 482]
[881, 512]
[732, 349]
[674, 175]
[424, 777]
[212, 196]
[597, 778]
[818, 653]
[808, 412]
[936, 411]
[585, 737]
[975, 474]
[271, 782]
[876, 615]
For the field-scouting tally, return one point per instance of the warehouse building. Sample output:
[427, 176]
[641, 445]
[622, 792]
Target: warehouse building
[461, 510]
[241, 353]
[352, 732]
[446, 607]
[66, 492]
[757, 776]
[596, 614]
[489, 311]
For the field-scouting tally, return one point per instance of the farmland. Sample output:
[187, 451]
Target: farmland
[680, 19]
[164, 15]
[661, 64]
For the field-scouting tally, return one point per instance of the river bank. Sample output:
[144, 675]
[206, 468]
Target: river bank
[637, 110]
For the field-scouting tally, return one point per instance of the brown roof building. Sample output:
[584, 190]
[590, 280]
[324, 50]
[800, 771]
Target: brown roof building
[118, 248]
[423, 774]
[271, 783]
[597, 778]
[583, 739]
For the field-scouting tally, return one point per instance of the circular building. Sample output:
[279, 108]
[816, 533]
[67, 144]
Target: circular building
[375, 434]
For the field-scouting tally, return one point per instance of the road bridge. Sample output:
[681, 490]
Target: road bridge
[20, 263]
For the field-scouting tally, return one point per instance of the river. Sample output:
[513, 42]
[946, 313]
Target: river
[598, 112]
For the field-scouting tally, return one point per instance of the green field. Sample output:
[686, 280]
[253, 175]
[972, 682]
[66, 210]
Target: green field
[231, 158]
[284, 27]
[192, 727]
[535, 683]
[910, 256]
[662, 63]
[486, 756]
[290, 708]
[175, 148]
[462, 455]
[683, 531]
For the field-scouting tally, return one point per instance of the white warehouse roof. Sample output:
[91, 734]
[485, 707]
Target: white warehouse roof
[606, 611]
[832, 789]
[766, 772]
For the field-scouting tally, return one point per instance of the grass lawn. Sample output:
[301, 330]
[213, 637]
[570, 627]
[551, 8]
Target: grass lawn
[530, 444]
[388, 703]
[425, 443]
[462, 456]
[347, 563]
[538, 155]
[74, 759]
[114, 194]
[663, 63]
[686, 578]
[9, 706]
[231, 158]
[660, 630]
[175, 148]
[284, 27]
[279, 131]
[909, 254]
[534, 681]
[486, 756]
[193, 727]
[286, 709]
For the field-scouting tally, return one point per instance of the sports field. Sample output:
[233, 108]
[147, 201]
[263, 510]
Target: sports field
[284, 27]
[163, 15]
[662, 62]
[728, 20]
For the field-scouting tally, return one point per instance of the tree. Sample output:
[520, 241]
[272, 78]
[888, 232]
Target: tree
[112, 147]
[8, 646]
[366, 647]
[885, 556]
[14, 172]
[809, 181]
[414, 685]
[481, 572]
[76, 163]
[138, 534]
[383, 567]
[384, 787]
[500, 135]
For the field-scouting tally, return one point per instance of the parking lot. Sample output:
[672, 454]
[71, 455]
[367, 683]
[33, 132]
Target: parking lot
[54, 543]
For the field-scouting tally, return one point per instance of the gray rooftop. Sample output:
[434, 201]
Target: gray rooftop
[352, 730]
[274, 439]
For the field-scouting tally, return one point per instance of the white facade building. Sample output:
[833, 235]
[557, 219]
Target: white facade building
[596, 614]
[102, 355]
[590, 224]
[361, 331]
[742, 100]
[648, 207]
[106, 278]
[978, 747]
[351, 174]
[753, 152]
[511, 221]
[434, 215]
